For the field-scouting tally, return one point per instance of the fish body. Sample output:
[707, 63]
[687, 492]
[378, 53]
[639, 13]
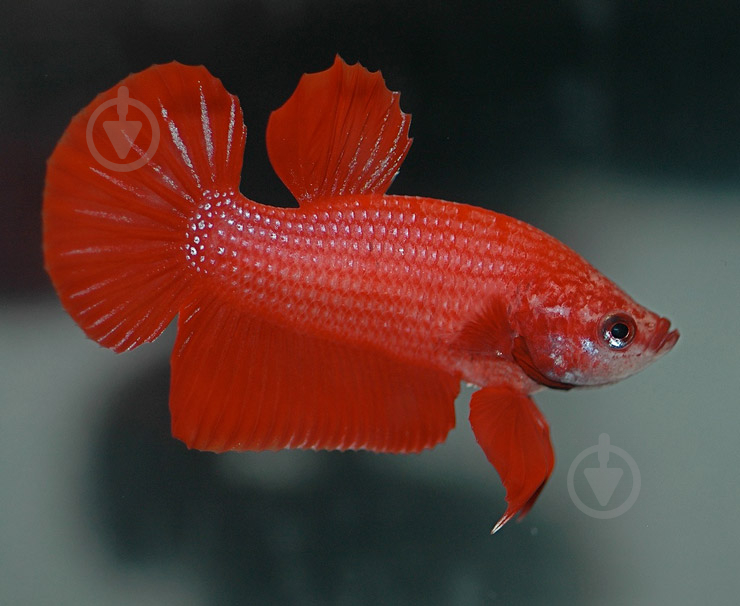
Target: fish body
[347, 322]
[399, 274]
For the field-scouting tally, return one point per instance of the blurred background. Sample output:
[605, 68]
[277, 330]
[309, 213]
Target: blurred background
[614, 126]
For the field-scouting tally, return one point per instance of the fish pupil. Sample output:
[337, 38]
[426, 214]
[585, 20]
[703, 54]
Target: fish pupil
[620, 330]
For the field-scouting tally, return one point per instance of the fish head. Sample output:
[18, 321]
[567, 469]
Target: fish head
[594, 337]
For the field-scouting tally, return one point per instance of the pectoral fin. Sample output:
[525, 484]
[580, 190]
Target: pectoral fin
[515, 438]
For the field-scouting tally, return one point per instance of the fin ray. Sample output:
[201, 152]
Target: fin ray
[342, 132]
[241, 383]
[113, 239]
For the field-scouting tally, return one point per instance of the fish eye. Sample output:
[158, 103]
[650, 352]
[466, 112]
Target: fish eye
[618, 330]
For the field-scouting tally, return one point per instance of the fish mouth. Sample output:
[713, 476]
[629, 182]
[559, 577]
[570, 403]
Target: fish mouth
[663, 339]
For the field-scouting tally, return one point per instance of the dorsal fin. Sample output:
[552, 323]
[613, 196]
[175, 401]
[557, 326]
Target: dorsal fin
[342, 132]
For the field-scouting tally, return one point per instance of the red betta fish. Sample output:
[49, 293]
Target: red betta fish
[345, 323]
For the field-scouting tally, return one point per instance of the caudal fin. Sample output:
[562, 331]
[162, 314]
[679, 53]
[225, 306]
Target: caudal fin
[122, 186]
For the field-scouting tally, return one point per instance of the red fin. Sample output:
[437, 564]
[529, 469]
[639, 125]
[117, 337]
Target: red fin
[341, 132]
[114, 239]
[240, 383]
[521, 355]
[488, 333]
[515, 438]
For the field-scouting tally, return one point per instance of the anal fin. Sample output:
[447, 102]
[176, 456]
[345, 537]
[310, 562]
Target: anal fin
[515, 438]
[241, 383]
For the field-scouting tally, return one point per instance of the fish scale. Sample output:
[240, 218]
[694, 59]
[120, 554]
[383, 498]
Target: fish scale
[336, 266]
